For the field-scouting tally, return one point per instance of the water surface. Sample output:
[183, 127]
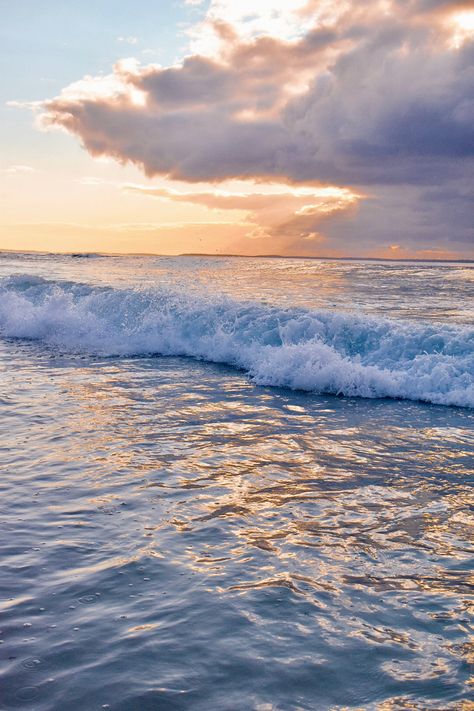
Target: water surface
[174, 535]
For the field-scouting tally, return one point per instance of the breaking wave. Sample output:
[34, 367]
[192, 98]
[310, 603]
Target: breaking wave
[318, 351]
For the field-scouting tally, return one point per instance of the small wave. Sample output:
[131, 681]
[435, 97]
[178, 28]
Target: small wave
[318, 351]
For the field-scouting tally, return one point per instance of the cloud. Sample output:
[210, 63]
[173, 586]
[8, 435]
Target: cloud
[19, 169]
[373, 96]
[419, 219]
[268, 210]
[128, 40]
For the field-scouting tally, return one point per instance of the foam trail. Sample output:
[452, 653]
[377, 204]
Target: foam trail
[318, 351]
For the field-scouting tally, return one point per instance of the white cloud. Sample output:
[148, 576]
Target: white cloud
[19, 169]
[128, 40]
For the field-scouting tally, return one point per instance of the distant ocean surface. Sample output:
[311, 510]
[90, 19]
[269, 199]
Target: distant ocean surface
[235, 483]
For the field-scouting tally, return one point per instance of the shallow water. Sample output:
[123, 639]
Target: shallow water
[174, 536]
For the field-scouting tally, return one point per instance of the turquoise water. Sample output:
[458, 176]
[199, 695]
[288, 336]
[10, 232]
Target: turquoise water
[174, 534]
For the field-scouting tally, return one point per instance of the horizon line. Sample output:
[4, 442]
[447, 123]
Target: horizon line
[85, 253]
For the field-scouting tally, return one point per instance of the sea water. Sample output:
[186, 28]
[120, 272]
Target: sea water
[233, 483]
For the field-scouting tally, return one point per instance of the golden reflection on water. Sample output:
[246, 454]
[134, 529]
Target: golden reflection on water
[251, 494]
[169, 514]
[243, 467]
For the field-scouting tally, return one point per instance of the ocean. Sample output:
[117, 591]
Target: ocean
[235, 483]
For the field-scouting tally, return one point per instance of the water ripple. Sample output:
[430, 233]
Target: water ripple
[176, 538]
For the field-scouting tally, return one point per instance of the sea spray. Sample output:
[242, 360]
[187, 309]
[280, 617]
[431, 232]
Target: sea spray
[319, 351]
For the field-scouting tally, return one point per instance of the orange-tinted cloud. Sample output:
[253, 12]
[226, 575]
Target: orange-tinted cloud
[372, 94]
[269, 210]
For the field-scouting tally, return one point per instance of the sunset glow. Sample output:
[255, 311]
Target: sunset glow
[237, 354]
[297, 98]
[463, 24]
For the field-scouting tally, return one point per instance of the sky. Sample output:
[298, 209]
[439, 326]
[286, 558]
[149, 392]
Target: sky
[293, 127]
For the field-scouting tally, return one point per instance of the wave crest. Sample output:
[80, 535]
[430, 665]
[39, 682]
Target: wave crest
[318, 351]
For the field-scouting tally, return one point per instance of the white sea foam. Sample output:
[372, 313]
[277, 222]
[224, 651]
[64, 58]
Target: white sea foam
[319, 351]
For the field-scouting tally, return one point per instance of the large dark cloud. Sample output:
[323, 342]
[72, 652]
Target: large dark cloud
[377, 99]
